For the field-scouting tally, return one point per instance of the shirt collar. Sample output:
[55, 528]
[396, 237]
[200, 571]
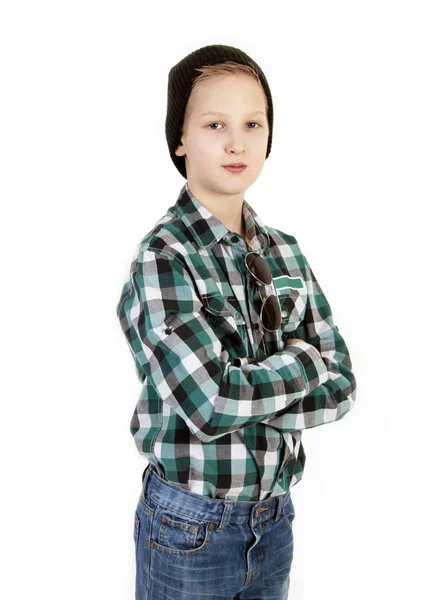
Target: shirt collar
[207, 229]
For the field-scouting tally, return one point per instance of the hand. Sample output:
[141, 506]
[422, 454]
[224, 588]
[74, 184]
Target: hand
[290, 341]
[293, 340]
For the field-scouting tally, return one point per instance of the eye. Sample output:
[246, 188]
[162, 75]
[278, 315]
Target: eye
[250, 122]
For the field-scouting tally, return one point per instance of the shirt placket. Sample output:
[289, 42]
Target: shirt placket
[251, 317]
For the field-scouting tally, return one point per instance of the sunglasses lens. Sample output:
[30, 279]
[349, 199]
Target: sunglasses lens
[271, 315]
[258, 267]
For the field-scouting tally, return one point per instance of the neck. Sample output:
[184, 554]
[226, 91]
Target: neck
[226, 207]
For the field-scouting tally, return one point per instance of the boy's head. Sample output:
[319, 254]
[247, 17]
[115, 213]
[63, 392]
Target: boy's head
[224, 80]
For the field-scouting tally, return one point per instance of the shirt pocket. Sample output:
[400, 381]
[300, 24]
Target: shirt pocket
[293, 303]
[226, 321]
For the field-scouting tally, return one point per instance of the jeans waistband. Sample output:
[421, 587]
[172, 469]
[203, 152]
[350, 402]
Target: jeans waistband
[176, 498]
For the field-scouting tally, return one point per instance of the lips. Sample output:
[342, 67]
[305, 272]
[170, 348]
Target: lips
[235, 168]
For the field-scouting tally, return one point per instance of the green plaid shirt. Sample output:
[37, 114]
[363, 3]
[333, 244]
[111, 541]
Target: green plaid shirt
[223, 401]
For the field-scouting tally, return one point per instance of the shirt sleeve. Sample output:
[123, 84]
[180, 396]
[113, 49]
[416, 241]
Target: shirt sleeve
[331, 400]
[174, 346]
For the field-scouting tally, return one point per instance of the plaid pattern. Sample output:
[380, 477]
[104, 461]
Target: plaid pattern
[223, 401]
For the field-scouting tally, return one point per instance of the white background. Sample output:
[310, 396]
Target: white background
[85, 173]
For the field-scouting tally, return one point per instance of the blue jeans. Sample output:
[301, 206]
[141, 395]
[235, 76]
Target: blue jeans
[190, 547]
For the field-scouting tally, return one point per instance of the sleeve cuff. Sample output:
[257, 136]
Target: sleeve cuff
[246, 360]
[313, 366]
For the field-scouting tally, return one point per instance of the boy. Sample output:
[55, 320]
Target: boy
[235, 345]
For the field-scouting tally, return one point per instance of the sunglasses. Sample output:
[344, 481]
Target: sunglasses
[270, 314]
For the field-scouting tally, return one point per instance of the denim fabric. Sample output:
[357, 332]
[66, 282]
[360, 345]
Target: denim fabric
[190, 547]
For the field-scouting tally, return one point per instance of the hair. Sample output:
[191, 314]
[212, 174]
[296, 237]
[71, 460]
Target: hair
[225, 68]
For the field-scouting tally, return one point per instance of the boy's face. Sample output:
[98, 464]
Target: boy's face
[237, 135]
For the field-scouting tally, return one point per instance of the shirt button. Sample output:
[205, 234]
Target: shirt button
[235, 239]
[257, 326]
[284, 313]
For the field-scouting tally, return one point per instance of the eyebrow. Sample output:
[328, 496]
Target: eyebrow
[212, 112]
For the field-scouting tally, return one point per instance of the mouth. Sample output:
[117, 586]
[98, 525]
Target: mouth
[235, 168]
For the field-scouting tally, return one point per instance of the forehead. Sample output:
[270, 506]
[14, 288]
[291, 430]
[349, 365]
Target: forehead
[221, 94]
[216, 113]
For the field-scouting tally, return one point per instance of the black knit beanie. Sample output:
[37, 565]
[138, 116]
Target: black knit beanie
[180, 80]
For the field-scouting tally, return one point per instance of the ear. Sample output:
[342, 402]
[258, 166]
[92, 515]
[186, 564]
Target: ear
[180, 151]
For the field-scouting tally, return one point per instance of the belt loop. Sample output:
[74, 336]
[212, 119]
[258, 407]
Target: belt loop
[144, 479]
[227, 511]
[279, 506]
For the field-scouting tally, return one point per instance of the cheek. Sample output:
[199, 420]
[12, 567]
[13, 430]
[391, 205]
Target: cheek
[208, 154]
[212, 145]
[204, 145]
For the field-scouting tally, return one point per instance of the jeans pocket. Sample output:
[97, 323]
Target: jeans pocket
[178, 534]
